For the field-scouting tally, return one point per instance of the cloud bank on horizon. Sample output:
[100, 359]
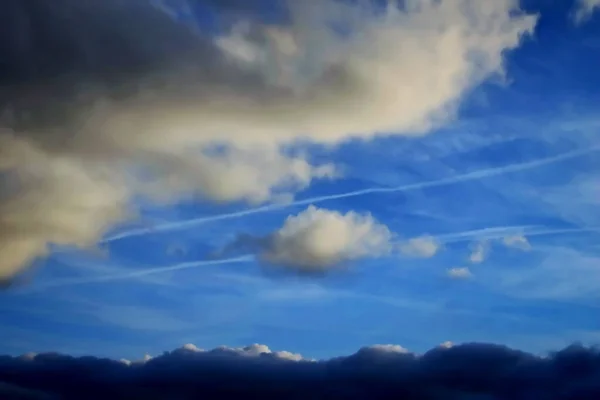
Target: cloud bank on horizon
[199, 171]
[468, 371]
[166, 112]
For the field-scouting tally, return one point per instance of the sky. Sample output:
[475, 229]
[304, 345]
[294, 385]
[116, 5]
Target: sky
[433, 179]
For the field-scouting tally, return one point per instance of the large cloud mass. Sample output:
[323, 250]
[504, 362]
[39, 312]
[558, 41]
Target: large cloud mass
[110, 99]
[469, 371]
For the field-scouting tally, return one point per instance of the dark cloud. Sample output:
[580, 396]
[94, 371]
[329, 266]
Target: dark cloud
[469, 371]
[105, 102]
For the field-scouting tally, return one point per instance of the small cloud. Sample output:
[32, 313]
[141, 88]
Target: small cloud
[176, 250]
[255, 350]
[583, 10]
[388, 348]
[317, 239]
[420, 247]
[479, 252]
[191, 347]
[459, 273]
[517, 242]
[446, 345]
[286, 355]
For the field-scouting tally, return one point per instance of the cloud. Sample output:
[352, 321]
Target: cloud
[479, 251]
[459, 273]
[485, 173]
[252, 175]
[423, 247]
[517, 242]
[114, 100]
[110, 277]
[318, 239]
[560, 273]
[584, 10]
[473, 370]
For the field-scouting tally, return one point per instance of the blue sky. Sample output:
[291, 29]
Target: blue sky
[519, 160]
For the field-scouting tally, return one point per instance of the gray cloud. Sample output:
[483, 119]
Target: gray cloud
[109, 100]
[448, 371]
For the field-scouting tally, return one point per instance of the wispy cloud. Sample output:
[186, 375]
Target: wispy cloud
[459, 273]
[422, 247]
[479, 252]
[135, 274]
[518, 242]
[553, 272]
[584, 9]
[142, 318]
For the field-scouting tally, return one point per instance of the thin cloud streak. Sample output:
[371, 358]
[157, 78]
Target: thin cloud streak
[486, 173]
[501, 232]
[137, 274]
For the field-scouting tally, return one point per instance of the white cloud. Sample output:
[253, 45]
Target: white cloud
[388, 348]
[251, 351]
[255, 175]
[481, 249]
[479, 252]
[68, 178]
[318, 238]
[144, 360]
[517, 242]
[584, 9]
[423, 247]
[459, 273]
[255, 350]
[191, 347]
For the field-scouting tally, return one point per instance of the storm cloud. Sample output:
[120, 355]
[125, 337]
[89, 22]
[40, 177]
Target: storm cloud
[468, 371]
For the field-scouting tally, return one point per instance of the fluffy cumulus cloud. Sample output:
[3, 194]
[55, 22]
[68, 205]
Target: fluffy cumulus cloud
[468, 371]
[422, 247]
[318, 239]
[109, 100]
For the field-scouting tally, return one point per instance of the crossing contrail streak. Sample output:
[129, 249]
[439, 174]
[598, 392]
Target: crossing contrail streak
[136, 274]
[486, 173]
[492, 233]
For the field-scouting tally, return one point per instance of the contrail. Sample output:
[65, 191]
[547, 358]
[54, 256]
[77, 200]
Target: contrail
[136, 274]
[486, 173]
[499, 233]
